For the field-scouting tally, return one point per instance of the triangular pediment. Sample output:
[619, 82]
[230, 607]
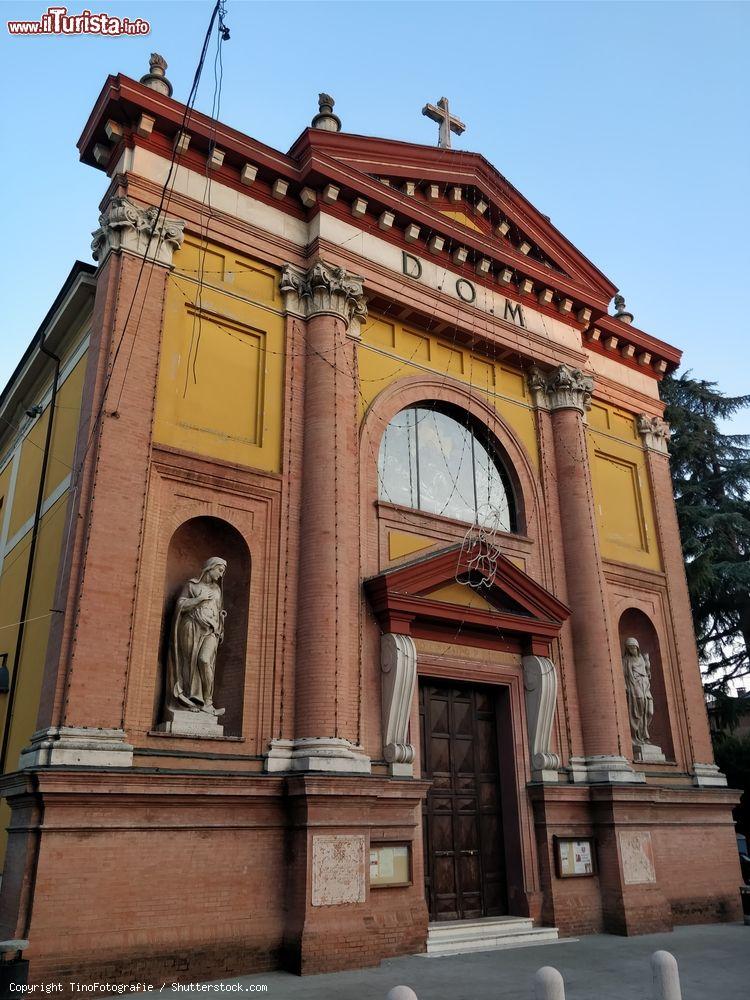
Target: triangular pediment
[467, 587]
[466, 191]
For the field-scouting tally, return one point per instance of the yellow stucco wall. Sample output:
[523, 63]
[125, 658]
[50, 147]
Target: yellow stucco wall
[20, 507]
[392, 351]
[622, 492]
[222, 358]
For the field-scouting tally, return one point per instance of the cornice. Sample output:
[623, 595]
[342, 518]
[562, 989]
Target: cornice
[398, 158]
[297, 184]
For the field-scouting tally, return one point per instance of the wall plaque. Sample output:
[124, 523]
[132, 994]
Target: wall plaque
[338, 870]
[575, 858]
[390, 864]
[637, 855]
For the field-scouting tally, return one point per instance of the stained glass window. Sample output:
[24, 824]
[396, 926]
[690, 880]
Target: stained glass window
[432, 459]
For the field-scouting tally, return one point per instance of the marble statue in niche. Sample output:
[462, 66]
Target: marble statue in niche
[195, 636]
[637, 668]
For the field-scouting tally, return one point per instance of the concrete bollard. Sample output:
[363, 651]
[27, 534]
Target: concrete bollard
[666, 976]
[548, 984]
[401, 993]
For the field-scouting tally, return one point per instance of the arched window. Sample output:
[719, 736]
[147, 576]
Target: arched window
[440, 460]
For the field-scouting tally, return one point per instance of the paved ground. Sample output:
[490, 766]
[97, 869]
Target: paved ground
[714, 963]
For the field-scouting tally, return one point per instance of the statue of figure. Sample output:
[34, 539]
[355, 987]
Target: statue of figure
[196, 634]
[637, 669]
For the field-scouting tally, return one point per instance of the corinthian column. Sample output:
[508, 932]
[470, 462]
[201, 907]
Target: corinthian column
[330, 303]
[655, 435]
[565, 394]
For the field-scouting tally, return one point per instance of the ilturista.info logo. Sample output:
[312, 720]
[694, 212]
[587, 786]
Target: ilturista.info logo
[57, 21]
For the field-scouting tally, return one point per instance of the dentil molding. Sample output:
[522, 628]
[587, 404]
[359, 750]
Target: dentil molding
[123, 225]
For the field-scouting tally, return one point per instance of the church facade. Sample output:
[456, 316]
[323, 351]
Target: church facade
[368, 610]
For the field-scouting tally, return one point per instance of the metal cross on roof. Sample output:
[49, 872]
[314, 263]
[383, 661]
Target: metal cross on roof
[440, 113]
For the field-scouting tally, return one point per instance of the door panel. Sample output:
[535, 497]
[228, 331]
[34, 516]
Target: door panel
[462, 819]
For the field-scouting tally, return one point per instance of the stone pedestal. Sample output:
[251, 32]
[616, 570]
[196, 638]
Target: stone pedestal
[317, 754]
[708, 776]
[201, 725]
[648, 753]
[77, 746]
[603, 769]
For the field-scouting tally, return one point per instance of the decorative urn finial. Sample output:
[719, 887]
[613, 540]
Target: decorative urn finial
[325, 118]
[156, 78]
[621, 312]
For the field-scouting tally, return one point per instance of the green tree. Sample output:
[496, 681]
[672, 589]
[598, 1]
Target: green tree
[733, 757]
[711, 478]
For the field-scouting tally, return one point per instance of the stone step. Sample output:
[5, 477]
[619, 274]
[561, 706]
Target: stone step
[457, 937]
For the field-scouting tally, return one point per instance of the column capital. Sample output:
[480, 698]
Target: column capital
[123, 225]
[655, 432]
[563, 388]
[324, 290]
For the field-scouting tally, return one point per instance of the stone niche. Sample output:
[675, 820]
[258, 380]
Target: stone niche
[192, 544]
[635, 623]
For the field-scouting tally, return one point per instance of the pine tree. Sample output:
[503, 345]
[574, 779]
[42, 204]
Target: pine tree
[711, 478]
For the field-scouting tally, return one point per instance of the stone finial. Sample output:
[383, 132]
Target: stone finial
[156, 77]
[325, 118]
[325, 288]
[655, 432]
[564, 388]
[621, 312]
[123, 225]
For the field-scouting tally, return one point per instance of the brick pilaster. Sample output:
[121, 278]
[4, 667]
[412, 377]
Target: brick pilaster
[565, 393]
[86, 672]
[330, 304]
[667, 528]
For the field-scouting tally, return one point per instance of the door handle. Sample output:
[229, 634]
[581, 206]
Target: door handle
[469, 852]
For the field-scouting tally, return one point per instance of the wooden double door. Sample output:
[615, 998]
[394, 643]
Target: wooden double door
[464, 854]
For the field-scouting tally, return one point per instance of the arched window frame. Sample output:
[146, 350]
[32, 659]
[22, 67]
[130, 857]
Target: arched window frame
[480, 437]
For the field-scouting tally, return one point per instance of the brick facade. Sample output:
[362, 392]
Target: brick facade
[160, 857]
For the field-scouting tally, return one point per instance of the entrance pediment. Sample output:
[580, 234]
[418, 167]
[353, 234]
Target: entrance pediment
[440, 596]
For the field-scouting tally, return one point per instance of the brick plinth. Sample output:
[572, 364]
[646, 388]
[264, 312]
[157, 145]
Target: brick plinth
[388, 922]
[147, 877]
[691, 846]
[199, 877]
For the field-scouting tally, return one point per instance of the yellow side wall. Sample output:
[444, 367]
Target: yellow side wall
[48, 551]
[392, 351]
[622, 492]
[220, 388]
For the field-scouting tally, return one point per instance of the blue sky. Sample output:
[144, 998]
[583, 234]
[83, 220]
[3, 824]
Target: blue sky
[625, 122]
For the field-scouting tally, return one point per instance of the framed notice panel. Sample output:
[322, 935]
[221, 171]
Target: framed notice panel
[390, 864]
[574, 858]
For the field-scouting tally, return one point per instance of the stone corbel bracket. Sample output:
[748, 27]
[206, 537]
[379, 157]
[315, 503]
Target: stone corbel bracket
[655, 433]
[324, 290]
[540, 684]
[125, 226]
[564, 388]
[398, 664]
